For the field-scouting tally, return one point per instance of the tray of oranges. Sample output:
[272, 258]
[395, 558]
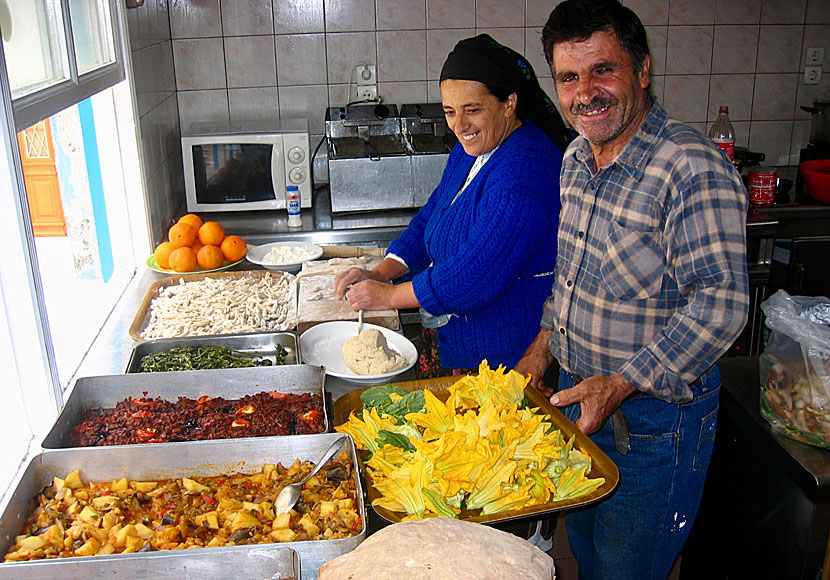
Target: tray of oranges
[197, 246]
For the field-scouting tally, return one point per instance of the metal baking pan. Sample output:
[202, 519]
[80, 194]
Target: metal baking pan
[142, 316]
[106, 391]
[263, 345]
[163, 461]
[277, 563]
[601, 464]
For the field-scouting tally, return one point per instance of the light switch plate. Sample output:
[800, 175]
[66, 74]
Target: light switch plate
[812, 75]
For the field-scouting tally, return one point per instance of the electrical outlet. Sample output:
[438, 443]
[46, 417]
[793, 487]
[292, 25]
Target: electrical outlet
[815, 56]
[367, 92]
[812, 75]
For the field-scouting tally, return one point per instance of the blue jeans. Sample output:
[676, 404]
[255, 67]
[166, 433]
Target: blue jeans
[638, 532]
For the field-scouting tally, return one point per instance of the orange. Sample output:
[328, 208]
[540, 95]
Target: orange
[234, 248]
[211, 234]
[196, 246]
[182, 234]
[192, 219]
[210, 257]
[162, 254]
[183, 259]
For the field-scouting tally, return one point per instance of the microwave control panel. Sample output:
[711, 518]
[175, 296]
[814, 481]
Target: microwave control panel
[297, 170]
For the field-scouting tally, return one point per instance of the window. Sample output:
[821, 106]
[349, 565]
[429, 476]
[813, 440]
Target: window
[58, 52]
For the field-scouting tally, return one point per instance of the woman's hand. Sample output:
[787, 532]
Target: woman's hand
[371, 295]
[352, 276]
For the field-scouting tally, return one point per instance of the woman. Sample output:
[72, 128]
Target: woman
[480, 253]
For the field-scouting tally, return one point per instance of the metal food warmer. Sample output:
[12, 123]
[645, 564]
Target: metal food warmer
[384, 157]
[168, 461]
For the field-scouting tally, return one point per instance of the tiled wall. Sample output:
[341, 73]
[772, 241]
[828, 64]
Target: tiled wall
[259, 59]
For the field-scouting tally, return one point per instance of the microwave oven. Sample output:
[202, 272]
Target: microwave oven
[245, 166]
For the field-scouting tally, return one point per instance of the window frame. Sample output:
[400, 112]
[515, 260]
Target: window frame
[38, 105]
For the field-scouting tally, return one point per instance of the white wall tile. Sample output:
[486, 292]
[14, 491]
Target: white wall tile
[818, 12]
[772, 138]
[402, 56]
[439, 44]
[735, 49]
[403, 92]
[538, 11]
[433, 92]
[689, 50]
[339, 95]
[650, 12]
[534, 52]
[741, 133]
[301, 59]
[200, 63]
[298, 16]
[816, 35]
[801, 138]
[657, 48]
[737, 12]
[250, 61]
[255, 104]
[691, 12]
[247, 17]
[783, 11]
[451, 13]
[309, 102]
[774, 97]
[510, 37]
[779, 48]
[494, 13]
[657, 87]
[686, 97]
[401, 14]
[349, 15]
[195, 19]
[733, 90]
[202, 106]
[344, 50]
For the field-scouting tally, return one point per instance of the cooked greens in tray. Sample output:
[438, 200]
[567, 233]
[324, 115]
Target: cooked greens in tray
[189, 358]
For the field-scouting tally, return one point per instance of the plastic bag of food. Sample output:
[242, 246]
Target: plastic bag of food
[795, 367]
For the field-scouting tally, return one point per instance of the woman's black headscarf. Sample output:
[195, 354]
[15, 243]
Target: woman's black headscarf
[484, 60]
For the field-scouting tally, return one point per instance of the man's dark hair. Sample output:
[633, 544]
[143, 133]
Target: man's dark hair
[577, 20]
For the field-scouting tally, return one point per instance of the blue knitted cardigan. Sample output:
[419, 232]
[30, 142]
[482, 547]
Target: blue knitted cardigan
[486, 248]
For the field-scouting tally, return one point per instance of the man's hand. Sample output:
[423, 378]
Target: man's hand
[598, 398]
[536, 360]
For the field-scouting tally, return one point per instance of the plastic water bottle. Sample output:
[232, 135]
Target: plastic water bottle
[722, 132]
[292, 204]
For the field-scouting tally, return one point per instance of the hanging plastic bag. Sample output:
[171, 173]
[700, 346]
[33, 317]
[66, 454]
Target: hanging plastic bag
[795, 367]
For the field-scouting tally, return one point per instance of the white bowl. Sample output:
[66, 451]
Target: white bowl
[257, 255]
[322, 345]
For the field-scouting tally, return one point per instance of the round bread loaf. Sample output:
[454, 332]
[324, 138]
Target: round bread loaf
[439, 549]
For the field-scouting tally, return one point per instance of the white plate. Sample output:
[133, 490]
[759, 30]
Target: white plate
[257, 255]
[322, 345]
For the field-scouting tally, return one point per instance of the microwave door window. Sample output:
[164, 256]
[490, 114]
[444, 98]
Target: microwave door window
[233, 173]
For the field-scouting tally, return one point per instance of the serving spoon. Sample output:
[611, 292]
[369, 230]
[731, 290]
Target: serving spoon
[289, 495]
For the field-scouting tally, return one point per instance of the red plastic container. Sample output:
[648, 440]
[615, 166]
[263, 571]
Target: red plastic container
[816, 174]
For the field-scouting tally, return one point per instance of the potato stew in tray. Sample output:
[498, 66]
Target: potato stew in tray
[191, 405]
[141, 501]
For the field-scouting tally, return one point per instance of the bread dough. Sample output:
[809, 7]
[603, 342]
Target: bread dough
[369, 354]
[439, 549]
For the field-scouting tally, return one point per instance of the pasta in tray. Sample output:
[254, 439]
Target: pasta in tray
[74, 518]
[222, 306]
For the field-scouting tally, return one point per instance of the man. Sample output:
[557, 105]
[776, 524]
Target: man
[650, 290]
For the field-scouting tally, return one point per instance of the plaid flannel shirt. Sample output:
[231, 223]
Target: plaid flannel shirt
[651, 275]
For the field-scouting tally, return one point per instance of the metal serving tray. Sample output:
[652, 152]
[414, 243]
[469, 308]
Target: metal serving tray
[263, 345]
[142, 316]
[268, 563]
[106, 391]
[601, 464]
[164, 461]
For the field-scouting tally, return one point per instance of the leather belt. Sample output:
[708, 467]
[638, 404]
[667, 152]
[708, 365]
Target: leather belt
[699, 380]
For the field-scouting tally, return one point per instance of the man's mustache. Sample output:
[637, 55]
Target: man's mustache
[596, 103]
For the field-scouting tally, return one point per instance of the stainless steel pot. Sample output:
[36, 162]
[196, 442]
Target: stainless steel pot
[820, 124]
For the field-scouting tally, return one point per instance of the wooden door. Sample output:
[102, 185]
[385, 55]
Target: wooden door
[41, 179]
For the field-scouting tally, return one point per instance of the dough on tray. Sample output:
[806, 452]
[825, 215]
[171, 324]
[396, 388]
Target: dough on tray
[368, 354]
[438, 549]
